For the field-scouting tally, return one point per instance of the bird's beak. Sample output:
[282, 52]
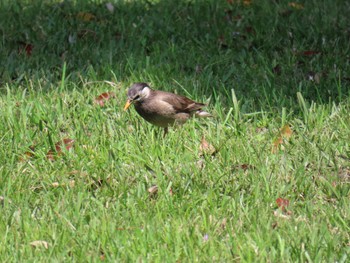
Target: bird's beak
[127, 104]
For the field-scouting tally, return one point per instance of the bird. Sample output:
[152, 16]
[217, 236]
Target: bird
[162, 108]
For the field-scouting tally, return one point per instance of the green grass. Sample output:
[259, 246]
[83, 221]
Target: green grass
[250, 62]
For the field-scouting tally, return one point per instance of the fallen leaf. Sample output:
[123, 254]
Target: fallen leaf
[71, 183]
[55, 184]
[101, 99]
[285, 134]
[295, 5]
[309, 52]
[286, 131]
[153, 190]
[243, 167]
[50, 155]
[247, 2]
[28, 154]
[282, 203]
[25, 48]
[223, 223]
[67, 143]
[40, 243]
[277, 70]
[206, 148]
[86, 17]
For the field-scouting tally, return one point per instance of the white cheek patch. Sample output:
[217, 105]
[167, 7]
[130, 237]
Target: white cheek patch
[145, 92]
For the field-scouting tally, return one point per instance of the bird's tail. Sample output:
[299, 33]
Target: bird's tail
[202, 114]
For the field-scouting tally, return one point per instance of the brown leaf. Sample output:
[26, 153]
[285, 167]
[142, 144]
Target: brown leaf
[86, 17]
[40, 243]
[243, 167]
[276, 143]
[28, 154]
[286, 131]
[295, 5]
[206, 148]
[282, 203]
[101, 99]
[223, 223]
[277, 70]
[309, 52]
[153, 190]
[55, 184]
[285, 134]
[67, 143]
[25, 48]
[50, 155]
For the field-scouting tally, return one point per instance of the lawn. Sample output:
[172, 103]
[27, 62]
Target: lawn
[266, 179]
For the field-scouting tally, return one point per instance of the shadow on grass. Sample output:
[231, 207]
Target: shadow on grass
[266, 51]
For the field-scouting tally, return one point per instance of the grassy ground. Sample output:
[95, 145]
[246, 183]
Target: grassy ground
[276, 76]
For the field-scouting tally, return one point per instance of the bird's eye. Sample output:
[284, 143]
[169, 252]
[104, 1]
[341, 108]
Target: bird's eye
[137, 97]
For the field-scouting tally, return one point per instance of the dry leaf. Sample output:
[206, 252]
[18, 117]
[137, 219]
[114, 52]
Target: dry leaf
[40, 243]
[55, 184]
[71, 183]
[309, 53]
[86, 17]
[296, 5]
[25, 48]
[67, 143]
[27, 155]
[286, 131]
[223, 223]
[101, 99]
[153, 190]
[243, 167]
[282, 203]
[206, 148]
[285, 134]
[247, 2]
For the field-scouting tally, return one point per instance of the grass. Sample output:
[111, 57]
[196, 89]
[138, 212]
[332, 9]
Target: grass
[261, 66]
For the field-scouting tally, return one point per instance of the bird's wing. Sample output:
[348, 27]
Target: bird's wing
[180, 103]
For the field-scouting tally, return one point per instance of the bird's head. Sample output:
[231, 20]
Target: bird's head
[137, 93]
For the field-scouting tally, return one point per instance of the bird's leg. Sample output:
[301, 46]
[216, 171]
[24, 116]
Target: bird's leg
[165, 131]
